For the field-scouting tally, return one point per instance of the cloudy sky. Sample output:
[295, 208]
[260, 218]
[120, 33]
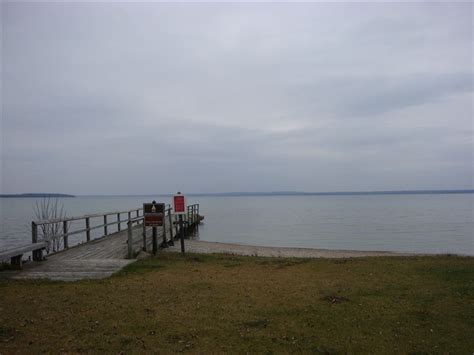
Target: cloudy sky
[138, 98]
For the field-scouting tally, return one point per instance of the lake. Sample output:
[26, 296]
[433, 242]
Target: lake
[435, 223]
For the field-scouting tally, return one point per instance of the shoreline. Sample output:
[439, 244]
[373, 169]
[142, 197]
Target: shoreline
[203, 247]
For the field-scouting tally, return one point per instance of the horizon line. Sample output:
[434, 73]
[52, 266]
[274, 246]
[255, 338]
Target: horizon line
[298, 192]
[252, 193]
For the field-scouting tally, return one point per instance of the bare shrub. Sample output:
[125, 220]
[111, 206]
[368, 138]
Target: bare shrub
[51, 209]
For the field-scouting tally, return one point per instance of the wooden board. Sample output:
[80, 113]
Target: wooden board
[94, 260]
[22, 250]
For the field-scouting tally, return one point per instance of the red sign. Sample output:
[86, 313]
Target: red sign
[179, 204]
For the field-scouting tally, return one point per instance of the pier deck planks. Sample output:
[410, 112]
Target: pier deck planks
[93, 260]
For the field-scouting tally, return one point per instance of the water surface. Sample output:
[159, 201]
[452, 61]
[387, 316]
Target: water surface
[438, 223]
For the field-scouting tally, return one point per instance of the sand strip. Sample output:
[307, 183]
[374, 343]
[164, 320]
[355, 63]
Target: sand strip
[202, 247]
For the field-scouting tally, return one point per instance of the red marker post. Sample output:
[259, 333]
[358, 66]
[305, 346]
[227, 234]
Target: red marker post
[179, 207]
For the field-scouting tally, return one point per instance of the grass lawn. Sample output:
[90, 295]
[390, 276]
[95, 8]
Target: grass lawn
[222, 303]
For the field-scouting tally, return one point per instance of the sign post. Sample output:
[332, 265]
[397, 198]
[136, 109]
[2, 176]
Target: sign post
[153, 214]
[154, 240]
[179, 206]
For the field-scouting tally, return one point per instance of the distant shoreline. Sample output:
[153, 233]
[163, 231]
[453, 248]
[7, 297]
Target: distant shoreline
[335, 193]
[35, 195]
[296, 193]
[244, 194]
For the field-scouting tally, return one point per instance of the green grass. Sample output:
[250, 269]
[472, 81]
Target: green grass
[222, 303]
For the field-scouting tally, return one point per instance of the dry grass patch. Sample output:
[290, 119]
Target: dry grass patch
[223, 303]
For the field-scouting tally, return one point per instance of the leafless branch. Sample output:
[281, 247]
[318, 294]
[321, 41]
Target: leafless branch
[51, 209]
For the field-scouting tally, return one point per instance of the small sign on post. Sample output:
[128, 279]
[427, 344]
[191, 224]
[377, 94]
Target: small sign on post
[153, 214]
[179, 207]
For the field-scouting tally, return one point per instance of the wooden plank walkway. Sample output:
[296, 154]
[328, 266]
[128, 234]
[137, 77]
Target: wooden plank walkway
[96, 259]
[99, 258]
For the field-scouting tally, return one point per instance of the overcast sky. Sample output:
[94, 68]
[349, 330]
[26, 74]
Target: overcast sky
[153, 98]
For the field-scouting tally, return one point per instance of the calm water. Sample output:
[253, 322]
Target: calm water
[408, 223]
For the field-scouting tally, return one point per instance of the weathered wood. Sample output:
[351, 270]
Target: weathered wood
[118, 246]
[171, 225]
[130, 240]
[111, 246]
[6, 254]
[16, 254]
[65, 235]
[164, 232]
[79, 231]
[38, 254]
[181, 233]
[155, 240]
[88, 230]
[118, 222]
[76, 218]
[144, 237]
[73, 270]
[34, 232]
[105, 224]
[86, 260]
[66, 221]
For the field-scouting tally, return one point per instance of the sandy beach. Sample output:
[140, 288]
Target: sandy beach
[202, 247]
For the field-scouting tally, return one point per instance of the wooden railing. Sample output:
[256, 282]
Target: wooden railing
[67, 222]
[193, 213]
[130, 222]
[170, 229]
[169, 233]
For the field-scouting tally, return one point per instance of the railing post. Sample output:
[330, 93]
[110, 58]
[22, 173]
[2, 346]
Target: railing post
[129, 216]
[105, 224]
[37, 254]
[171, 226]
[65, 236]
[34, 232]
[144, 235]
[164, 230]
[176, 226]
[181, 232]
[154, 240]
[130, 240]
[88, 232]
[187, 219]
[118, 222]
[138, 213]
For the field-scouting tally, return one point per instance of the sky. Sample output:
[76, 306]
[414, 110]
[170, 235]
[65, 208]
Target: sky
[143, 98]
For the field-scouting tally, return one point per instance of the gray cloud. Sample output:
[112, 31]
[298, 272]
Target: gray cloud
[154, 97]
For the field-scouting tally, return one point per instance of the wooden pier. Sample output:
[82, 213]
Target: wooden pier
[96, 258]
